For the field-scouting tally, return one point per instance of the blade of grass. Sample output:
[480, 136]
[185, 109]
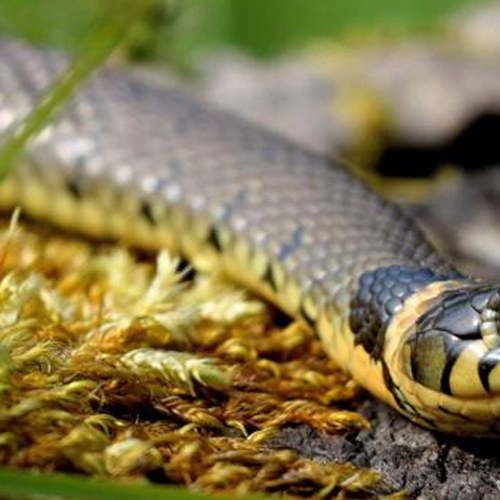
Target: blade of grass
[117, 19]
[26, 485]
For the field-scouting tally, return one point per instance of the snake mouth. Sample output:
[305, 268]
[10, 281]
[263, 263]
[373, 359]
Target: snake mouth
[446, 369]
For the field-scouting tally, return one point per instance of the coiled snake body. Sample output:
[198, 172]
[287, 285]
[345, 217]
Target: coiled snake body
[157, 168]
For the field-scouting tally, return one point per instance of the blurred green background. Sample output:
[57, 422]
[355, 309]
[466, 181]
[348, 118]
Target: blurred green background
[262, 27]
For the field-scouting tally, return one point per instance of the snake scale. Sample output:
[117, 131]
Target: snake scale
[156, 168]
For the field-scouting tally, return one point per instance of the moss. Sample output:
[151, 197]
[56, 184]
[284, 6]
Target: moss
[116, 365]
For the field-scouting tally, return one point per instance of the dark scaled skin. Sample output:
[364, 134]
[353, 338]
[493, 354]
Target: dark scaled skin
[381, 294]
[156, 168]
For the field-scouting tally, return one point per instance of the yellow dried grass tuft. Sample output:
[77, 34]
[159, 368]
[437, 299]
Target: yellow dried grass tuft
[117, 365]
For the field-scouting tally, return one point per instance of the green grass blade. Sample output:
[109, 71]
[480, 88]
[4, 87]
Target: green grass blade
[26, 485]
[117, 19]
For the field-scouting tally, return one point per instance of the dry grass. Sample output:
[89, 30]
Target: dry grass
[112, 364]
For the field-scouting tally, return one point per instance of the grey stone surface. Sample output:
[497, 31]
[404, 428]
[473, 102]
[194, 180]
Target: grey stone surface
[428, 466]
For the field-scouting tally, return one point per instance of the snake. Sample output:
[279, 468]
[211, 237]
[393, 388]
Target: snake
[154, 166]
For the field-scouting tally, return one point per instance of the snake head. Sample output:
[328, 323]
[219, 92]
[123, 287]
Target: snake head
[449, 361]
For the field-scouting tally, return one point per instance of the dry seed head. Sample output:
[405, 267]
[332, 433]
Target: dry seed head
[131, 456]
[23, 408]
[45, 355]
[237, 349]
[264, 435]
[117, 268]
[88, 462]
[122, 330]
[317, 416]
[294, 336]
[103, 423]
[221, 303]
[74, 393]
[236, 424]
[191, 412]
[5, 368]
[8, 439]
[275, 369]
[57, 417]
[165, 288]
[176, 368]
[224, 475]
[230, 308]
[84, 438]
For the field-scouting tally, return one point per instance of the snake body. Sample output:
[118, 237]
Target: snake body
[157, 168]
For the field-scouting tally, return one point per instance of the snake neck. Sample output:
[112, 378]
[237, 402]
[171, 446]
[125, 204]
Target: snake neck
[429, 345]
[380, 296]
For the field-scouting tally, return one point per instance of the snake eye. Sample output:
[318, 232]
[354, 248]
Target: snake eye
[456, 347]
